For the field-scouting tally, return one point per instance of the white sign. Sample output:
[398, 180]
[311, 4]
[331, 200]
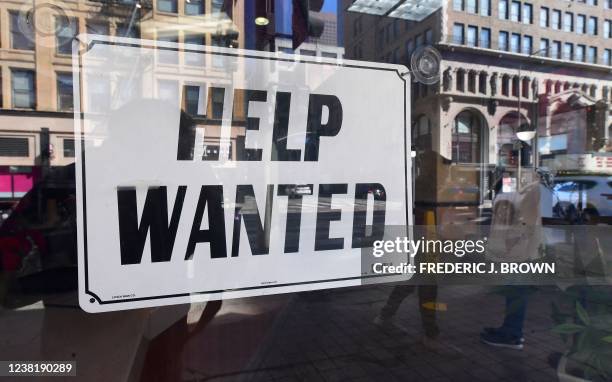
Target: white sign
[208, 173]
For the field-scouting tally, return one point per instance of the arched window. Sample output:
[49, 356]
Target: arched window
[472, 81]
[525, 87]
[482, 83]
[467, 138]
[460, 80]
[506, 154]
[515, 86]
[505, 85]
[549, 87]
[585, 88]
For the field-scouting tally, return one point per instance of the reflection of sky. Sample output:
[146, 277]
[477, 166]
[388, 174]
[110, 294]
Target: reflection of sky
[330, 6]
[284, 9]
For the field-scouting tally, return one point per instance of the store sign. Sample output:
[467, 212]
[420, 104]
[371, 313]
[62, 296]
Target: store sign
[212, 173]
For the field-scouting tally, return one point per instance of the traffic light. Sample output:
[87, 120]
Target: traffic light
[306, 20]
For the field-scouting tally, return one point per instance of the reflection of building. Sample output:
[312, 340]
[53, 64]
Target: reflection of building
[548, 60]
[327, 45]
[36, 119]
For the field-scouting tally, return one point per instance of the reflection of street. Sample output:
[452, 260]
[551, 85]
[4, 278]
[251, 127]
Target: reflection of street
[331, 337]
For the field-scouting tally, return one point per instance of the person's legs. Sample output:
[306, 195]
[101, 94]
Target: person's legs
[516, 307]
[428, 295]
[510, 334]
[399, 293]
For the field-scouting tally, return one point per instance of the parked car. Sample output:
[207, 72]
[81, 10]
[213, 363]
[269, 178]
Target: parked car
[582, 198]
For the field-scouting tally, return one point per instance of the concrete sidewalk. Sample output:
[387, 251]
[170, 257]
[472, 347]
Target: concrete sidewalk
[329, 336]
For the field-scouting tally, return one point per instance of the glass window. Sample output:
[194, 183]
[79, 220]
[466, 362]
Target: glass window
[544, 47]
[64, 92]
[581, 24]
[527, 13]
[472, 36]
[127, 30]
[191, 101]
[592, 55]
[194, 58]
[458, 33]
[97, 27]
[23, 89]
[68, 147]
[471, 6]
[580, 52]
[606, 59]
[22, 34]
[66, 29]
[568, 51]
[194, 7]
[607, 29]
[556, 19]
[503, 41]
[217, 6]
[167, 6]
[555, 50]
[544, 17]
[14, 147]
[259, 101]
[466, 138]
[527, 45]
[568, 22]
[503, 9]
[485, 38]
[485, 7]
[515, 11]
[217, 96]
[217, 61]
[515, 43]
[167, 56]
[592, 26]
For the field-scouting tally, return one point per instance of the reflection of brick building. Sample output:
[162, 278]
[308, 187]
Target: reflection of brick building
[545, 58]
[36, 96]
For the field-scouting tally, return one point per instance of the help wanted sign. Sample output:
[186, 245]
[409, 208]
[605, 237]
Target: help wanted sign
[207, 173]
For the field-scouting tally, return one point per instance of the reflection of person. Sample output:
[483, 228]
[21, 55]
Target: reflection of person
[426, 295]
[427, 162]
[515, 236]
[510, 333]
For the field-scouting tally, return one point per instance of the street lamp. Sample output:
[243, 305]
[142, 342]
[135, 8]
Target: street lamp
[524, 136]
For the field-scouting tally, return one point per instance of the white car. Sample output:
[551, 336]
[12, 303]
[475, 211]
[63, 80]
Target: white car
[582, 196]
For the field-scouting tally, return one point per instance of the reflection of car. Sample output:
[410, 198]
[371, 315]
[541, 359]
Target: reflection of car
[38, 239]
[582, 197]
[5, 210]
[295, 190]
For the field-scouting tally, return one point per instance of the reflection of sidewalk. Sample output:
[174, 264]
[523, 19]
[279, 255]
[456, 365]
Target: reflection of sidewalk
[329, 336]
